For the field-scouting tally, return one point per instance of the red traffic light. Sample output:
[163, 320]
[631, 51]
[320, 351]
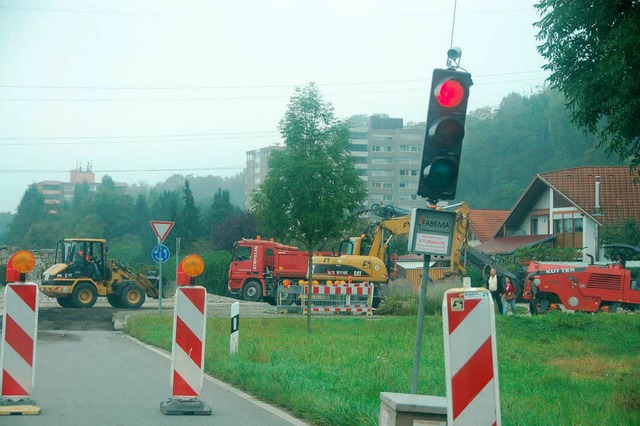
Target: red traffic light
[450, 93]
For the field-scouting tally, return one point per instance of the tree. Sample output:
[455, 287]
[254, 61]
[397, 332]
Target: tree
[115, 210]
[591, 49]
[189, 223]
[312, 189]
[221, 208]
[31, 210]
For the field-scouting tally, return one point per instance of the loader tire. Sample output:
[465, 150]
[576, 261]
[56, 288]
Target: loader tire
[114, 300]
[132, 296]
[252, 291]
[84, 295]
[65, 302]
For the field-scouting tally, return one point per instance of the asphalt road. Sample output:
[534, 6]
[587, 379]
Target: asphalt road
[88, 374]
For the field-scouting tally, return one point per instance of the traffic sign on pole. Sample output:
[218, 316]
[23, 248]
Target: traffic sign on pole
[161, 228]
[160, 253]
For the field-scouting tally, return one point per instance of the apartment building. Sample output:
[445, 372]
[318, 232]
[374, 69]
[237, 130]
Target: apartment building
[387, 156]
[56, 192]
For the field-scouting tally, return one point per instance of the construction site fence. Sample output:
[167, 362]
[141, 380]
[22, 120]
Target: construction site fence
[415, 276]
[352, 298]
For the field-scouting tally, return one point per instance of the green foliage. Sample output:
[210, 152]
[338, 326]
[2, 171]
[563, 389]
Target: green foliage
[214, 277]
[627, 232]
[188, 225]
[554, 369]
[31, 210]
[5, 220]
[312, 189]
[591, 49]
[507, 146]
[545, 252]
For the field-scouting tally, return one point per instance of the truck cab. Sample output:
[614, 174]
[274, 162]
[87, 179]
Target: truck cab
[258, 267]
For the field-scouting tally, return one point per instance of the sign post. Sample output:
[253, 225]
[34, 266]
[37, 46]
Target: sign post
[161, 229]
[431, 232]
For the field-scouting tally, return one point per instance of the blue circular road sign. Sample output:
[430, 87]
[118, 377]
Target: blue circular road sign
[160, 253]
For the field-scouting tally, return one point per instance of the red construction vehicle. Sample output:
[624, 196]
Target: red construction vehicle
[259, 266]
[586, 288]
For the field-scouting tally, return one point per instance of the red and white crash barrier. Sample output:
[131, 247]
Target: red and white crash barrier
[189, 326]
[19, 335]
[471, 361]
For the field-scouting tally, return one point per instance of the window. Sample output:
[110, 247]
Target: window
[381, 160]
[567, 225]
[242, 253]
[387, 197]
[408, 172]
[408, 185]
[358, 147]
[409, 148]
[382, 185]
[381, 172]
[360, 160]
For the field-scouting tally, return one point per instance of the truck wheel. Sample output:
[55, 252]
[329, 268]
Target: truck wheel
[132, 296]
[114, 300]
[252, 291]
[84, 296]
[65, 302]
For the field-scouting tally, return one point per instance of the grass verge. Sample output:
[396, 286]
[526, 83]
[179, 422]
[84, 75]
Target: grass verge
[553, 369]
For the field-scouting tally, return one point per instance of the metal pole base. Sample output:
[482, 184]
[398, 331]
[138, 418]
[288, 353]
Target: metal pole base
[185, 407]
[19, 406]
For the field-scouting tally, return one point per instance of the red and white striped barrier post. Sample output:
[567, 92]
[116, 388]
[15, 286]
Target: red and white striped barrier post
[19, 336]
[187, 354]
[235, 328]
[471, 361]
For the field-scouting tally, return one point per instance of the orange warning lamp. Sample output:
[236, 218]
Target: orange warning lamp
[191, 266]
[20, 264]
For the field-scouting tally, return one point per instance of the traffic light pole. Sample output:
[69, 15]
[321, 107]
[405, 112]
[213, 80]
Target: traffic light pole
[419, 326]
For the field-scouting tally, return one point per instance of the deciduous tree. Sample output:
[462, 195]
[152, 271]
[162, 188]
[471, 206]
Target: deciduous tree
[312, 189]
[592, 51]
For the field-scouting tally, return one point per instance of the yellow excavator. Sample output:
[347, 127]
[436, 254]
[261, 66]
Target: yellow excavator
[81, 273]
[367, 258]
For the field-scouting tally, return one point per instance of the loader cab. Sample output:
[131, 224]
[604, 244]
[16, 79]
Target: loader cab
[83, 257]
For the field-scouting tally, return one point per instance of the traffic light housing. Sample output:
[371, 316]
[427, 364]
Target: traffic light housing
[444, 134]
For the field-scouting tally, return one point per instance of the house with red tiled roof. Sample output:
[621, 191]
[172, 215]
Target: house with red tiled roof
[569, 207]
[484, 224]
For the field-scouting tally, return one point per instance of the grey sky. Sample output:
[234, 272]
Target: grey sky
[185, 86]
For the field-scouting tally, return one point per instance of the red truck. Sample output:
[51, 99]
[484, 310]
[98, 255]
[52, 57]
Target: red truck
[585, 288]
[259, 266]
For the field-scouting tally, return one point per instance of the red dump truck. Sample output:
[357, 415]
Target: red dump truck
[258, 267]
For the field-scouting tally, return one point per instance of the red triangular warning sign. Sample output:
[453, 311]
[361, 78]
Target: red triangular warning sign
[161, 228]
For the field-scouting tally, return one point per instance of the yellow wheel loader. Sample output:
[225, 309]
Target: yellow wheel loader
[81, 273]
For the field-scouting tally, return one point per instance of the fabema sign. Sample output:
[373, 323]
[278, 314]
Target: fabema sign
[431, 232]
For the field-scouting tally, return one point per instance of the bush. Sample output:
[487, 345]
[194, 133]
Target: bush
[216, 269]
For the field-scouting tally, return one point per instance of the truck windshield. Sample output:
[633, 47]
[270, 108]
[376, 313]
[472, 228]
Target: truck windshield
[242, 253]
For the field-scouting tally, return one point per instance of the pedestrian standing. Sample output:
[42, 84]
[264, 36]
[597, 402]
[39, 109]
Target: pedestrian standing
[509, 297]
[495, 287]
[533, 296]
